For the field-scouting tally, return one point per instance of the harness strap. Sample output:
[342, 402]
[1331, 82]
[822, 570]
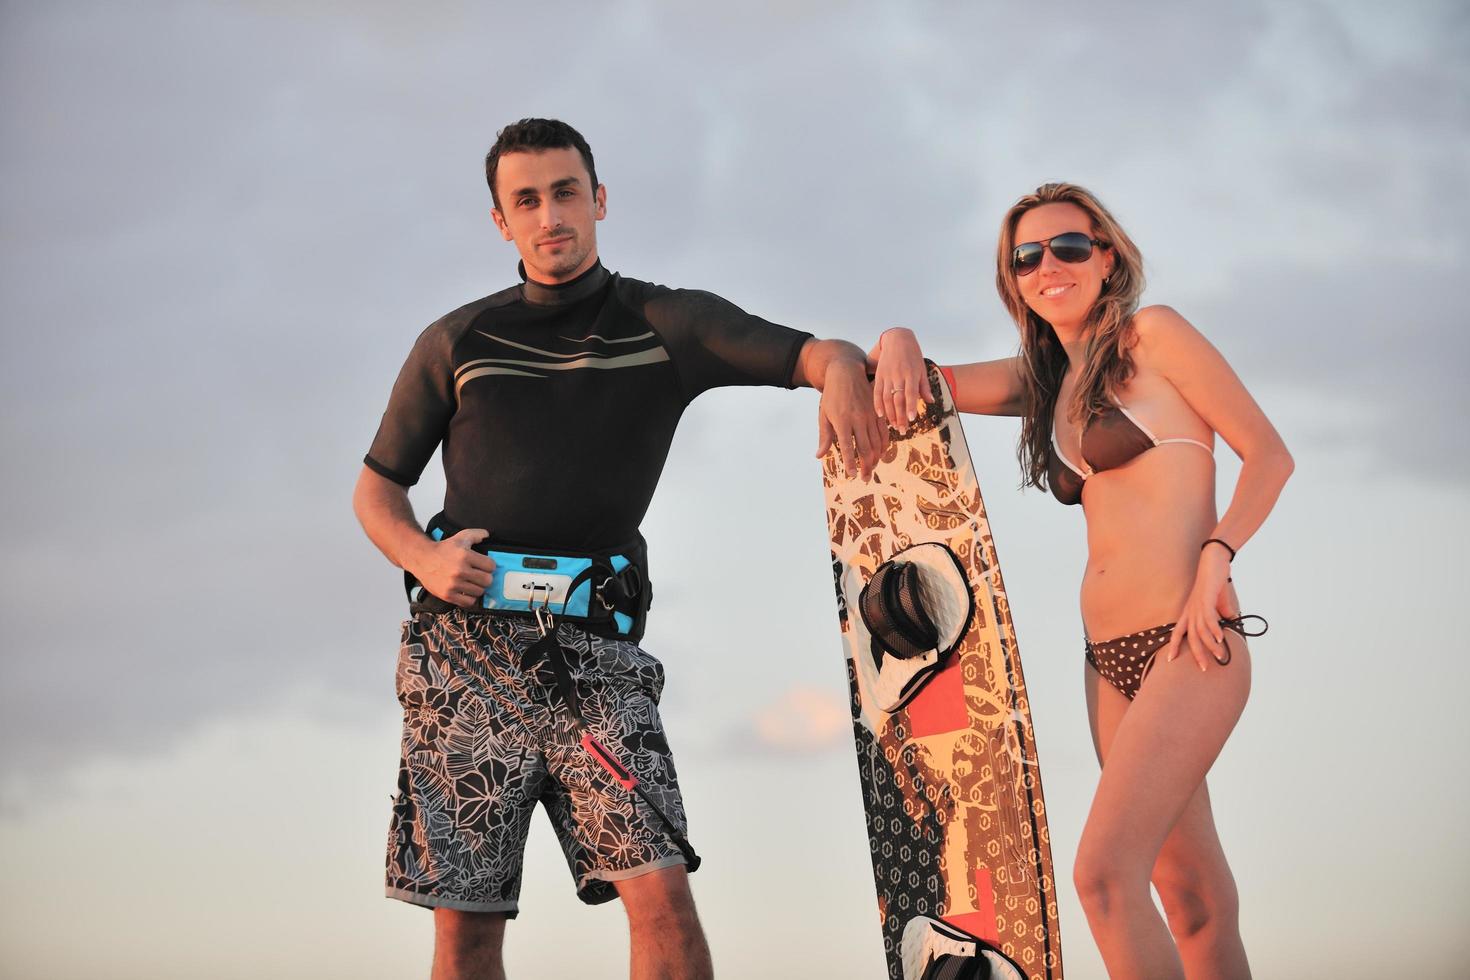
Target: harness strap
[547, 650]
[555, 655]
[617, 592]
[626, 591]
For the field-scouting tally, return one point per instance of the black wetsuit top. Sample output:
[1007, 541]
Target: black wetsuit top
[556, 405]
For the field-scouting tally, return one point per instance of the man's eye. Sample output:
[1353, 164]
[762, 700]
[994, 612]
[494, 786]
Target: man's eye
[527, 202]
[565, 192]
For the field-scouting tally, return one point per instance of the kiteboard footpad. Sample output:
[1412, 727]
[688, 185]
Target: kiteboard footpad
[935, 950]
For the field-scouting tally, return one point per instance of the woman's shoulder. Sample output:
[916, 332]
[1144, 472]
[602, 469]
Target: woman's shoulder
[1150, 322]
[1157, 328]
[1165, 342]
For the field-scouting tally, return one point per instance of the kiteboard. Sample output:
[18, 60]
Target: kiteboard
[946, 752]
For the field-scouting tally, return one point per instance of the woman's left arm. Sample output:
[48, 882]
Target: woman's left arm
[1169, 344]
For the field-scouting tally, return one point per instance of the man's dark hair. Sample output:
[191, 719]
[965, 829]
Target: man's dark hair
[533, 136]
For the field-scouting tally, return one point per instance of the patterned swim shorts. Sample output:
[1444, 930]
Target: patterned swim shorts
[484, 741]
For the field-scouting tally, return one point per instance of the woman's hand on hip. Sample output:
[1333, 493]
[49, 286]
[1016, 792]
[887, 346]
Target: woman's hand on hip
[1198, 627]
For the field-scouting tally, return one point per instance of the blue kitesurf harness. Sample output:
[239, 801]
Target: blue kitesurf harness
[605, 592]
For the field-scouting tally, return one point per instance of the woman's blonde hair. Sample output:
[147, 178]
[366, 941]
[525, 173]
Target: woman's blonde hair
[1108, 365]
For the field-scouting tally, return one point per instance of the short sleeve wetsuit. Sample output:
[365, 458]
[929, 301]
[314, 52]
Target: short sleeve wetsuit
[556, 405]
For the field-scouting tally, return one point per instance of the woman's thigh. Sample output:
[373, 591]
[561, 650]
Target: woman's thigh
[1155, 752]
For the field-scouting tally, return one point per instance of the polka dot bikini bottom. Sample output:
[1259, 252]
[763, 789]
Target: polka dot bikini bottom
[1125, 661]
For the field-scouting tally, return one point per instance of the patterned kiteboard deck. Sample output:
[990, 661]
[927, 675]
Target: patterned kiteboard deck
[951, 784]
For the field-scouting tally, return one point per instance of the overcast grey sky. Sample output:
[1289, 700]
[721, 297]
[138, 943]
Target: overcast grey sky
[223, 224]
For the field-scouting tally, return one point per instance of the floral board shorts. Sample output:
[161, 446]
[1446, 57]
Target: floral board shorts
[484, 741]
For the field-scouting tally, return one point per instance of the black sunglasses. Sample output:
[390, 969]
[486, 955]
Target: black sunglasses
[1072, 246]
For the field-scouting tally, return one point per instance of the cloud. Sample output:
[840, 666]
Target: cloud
[799, 721]
[1385, 341]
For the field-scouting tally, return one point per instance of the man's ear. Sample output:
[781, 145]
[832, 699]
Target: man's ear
[601, 197]
[501, 223]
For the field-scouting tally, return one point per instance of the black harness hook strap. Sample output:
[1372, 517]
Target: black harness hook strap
[555, 655]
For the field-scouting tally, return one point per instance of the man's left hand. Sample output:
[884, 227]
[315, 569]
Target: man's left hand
[846, 418]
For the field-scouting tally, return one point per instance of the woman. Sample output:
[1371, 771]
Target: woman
[1119, 409]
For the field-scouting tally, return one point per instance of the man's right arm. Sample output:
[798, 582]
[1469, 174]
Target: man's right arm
[448, 568]
[418, 414]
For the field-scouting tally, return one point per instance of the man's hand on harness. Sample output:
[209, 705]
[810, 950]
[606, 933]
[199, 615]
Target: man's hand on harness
[454, 572]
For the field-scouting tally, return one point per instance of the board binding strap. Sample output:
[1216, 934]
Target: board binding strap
[918, 607]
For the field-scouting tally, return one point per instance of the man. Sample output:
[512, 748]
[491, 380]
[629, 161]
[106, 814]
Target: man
[555, 401]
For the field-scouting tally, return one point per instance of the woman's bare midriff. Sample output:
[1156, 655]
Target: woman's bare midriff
[1145, 524]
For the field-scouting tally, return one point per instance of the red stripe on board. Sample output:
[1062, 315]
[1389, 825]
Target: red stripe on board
[940, 704]
[982, 922]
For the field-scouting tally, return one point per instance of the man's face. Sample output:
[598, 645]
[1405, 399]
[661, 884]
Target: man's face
[549, 208]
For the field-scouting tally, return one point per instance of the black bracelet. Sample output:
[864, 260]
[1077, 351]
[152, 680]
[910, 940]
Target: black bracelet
[1210, 541]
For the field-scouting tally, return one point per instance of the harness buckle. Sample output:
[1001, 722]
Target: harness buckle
[623, 585]
[545, 622]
